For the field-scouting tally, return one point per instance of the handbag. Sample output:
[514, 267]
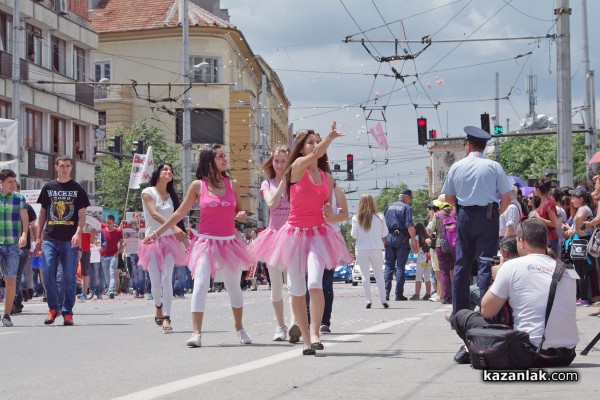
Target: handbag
[500, 347]
[579, 249]
[593, 247]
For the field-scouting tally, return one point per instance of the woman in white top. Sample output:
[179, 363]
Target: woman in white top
[369, 229]
[160, 257]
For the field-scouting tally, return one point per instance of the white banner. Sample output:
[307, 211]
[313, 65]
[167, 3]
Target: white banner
[9, 137]
[141, 169]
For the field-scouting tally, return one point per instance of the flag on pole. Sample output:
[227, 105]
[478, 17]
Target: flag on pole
[379, 136]
[141, 169]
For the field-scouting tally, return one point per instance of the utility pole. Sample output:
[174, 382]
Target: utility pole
[589, 123]
[16, 74]
[564, 156]
[497, 121]
[186, 139]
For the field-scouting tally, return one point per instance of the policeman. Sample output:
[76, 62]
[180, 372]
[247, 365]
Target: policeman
[400, 240]
[474, 185]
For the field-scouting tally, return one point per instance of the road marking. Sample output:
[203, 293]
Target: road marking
[425, 314]
[138, 317]
[11, 332]
[193, 381]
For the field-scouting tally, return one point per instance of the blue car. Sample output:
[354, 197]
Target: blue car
[343, 273]
[410, 271]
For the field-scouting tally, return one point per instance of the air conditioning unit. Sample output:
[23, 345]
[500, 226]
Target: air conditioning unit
[61, 7]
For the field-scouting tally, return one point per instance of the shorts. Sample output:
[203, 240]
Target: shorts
[9, 259]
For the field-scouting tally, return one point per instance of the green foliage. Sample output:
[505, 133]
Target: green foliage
[112, 179]
[419, 201]
[345, 229]
[526, 157]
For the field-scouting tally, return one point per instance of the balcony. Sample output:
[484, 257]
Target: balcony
[52, 82]
[114, 93]
[6, 60]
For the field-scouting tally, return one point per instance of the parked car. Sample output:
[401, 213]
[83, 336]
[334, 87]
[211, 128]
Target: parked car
[343, 273]
[410, 270]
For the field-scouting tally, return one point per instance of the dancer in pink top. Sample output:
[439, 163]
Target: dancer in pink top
[306, 245]
[273, 191]
[216, 247]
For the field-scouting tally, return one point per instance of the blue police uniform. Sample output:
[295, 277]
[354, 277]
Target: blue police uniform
[477, 183]
[398, 218]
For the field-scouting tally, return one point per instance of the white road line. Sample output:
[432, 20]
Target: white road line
[138, 317]
[11, 332]
[193, 381]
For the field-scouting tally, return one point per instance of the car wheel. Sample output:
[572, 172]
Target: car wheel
[354, 283]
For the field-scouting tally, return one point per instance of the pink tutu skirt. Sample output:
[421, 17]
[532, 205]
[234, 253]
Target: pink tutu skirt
[288, 248]
[263, 244]
[159, 249]
[226, 252]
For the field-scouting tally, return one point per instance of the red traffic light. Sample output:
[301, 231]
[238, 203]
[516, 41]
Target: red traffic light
[421, 122]
[349, 157]
[432, 134]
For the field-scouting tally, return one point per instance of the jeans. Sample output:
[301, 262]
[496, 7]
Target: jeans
[96, 279]
[138, 276]
[110, 264]
[179, 280]
[56, 252]
[23, 258]
[395, 264]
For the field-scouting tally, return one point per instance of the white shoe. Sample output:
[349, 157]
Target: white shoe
[195, 340]
[280, 333]
[244, 337]
[434, 297]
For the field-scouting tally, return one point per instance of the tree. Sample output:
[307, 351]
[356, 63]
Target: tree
[420, 200]
[112, 179]
[527, 157]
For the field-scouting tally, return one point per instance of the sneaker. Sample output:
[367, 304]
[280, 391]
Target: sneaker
[52, 314]
[83, 297]
[324, 329]
[6, 320]
[401, 298]
[414, 297]
[368, 305]
[194, 341]
[426, 297]
[583, 303]
[280, 333]
[149, 296]
[434, 297]
[16, 310]
[68, 320]
[294, 333]
[244, 337]
[111, 295]
[385, 305]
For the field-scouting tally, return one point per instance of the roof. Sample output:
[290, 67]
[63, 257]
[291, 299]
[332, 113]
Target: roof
[136, 15]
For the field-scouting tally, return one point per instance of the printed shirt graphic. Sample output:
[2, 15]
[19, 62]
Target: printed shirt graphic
[62, 202]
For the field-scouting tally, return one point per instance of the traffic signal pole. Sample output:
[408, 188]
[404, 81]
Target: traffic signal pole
[564, 151]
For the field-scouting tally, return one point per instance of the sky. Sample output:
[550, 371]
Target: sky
[450, 84]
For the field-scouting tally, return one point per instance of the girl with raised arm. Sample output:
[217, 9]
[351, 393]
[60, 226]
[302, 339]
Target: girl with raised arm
[216, 247]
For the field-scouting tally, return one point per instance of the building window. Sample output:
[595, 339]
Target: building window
[206, 73]
[102, 118]
[79, 69]
[59, 55]
[102, 70]
[33, 129]
[206, 126]
[5, 109]
[80, 142]
[58, 132]
[6, 32]
[34, 44]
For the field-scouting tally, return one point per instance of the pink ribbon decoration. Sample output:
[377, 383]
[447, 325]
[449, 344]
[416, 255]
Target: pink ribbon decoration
[379, 136]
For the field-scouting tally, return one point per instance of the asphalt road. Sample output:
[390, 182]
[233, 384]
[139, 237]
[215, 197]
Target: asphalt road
[115, 350]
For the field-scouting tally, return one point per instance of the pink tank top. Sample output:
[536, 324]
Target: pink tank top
[306, 201]
[279, 215]
[217, 213]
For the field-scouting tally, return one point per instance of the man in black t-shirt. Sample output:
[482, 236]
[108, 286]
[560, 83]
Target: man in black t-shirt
[60, 224]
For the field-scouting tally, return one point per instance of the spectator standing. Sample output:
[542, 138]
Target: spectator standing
[546, 212]
[60, 225]
[109, 255]
[24, 261]
[400, 240]
[14, 230]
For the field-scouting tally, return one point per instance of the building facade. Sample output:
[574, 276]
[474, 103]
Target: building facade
[140, 55]
[56, 115]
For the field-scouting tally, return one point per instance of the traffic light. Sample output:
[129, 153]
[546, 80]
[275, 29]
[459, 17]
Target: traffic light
[498, 130]
[432, 134]
[350, 167]
[422, 131]
[116, 147]
[485, 122]
[139, 147]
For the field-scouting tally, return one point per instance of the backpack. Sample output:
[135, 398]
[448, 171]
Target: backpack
[448, 239]
[593, 247]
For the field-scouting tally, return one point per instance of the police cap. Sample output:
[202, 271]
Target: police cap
[476, 133]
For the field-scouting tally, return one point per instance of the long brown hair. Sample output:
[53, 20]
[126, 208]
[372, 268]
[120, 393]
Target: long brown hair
[301, 137]
[207, 168]
[366, 209]
[267, 166]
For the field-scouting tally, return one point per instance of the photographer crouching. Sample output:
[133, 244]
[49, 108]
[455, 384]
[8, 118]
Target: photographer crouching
[525, 283]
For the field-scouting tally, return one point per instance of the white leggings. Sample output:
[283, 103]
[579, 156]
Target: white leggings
[372, 257]
[276, 277]
[162, 283]
[231, 279]
[315, 267]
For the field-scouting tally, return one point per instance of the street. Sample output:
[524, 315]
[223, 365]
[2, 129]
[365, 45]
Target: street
[115, 350]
